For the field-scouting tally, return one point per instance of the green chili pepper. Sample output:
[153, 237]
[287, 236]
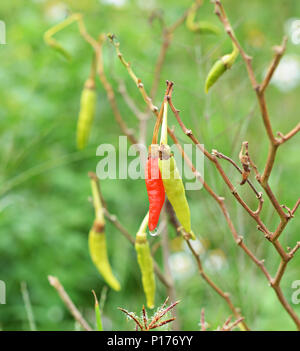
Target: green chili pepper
[145, 262]
[175, 190]
[98, 252]
[86, 114]
[97, 240]
[172, 181]
[220, 67]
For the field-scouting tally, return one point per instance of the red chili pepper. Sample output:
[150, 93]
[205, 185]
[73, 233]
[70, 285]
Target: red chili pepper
[155, 188]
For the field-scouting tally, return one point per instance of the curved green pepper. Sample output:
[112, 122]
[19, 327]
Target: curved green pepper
[222, 65]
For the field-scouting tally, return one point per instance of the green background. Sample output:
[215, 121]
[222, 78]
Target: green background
[45, 214]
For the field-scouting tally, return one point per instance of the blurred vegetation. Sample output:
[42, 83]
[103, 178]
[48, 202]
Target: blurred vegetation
[45, 214]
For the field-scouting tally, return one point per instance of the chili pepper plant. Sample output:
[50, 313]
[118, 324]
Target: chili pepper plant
[168, 202]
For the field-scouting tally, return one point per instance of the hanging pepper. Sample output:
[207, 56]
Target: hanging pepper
[155, 187]
[154, 184]
[172, 181]
[145, 262]
[97, 239]
[220, 66]
[86, 113]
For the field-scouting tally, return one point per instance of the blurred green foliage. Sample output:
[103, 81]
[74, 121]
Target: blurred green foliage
[45, 214]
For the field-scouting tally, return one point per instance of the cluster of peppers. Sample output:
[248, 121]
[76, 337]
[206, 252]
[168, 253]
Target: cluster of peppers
[162, 178]
[162, 175]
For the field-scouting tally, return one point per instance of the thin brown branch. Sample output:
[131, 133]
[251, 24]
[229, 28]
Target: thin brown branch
[284, 221]
[295, 207]
[162, 323]
[220, 155]
[68, 302]
[166, 41]
[220, 12]
[130, 103]
[279, 51]
[294, 250]
[167, 35]
[289, 135]
[111, 96]
[287, 306]
[137, 80]
[145, 319]
[232, 325]
[218, 290]
[279, 273]
[162, 312]
[130, 315]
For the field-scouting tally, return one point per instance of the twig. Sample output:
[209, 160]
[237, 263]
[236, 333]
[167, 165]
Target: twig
[162, 312]
[137, 80]
[28, 307]
[111, 96]
[217, 289]
[130, 315]
[167, 35]
[290, 134]
[229, 327]
[69, 303]
[220, 155]
[223, 294]
[293, 251]
[279, 51]
[130, 103]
